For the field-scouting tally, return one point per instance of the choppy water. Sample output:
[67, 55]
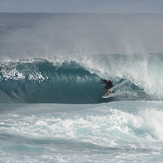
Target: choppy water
[51, 108]
[113, 132]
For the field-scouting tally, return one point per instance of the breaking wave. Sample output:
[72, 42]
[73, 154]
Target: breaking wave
[45, 81]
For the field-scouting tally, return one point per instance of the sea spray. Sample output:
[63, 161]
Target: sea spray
[56, 61]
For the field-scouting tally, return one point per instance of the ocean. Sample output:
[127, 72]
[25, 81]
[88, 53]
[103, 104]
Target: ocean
[51, 105]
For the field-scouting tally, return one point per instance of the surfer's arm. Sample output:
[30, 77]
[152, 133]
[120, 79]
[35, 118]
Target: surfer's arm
[103, 81]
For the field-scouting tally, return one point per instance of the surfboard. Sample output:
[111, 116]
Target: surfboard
[107, 96]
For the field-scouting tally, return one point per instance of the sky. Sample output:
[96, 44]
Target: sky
[82, 6]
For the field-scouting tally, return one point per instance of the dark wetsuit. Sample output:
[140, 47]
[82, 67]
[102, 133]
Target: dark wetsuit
[108, 83]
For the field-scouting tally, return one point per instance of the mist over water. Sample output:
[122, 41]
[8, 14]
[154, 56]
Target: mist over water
[51, 105]
[49, 35]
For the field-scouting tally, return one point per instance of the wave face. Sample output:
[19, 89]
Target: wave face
[44, 81]
[41, 81]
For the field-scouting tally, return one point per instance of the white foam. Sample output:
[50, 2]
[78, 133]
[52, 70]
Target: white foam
[97, 132]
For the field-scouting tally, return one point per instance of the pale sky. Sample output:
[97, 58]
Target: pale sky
[82, 6]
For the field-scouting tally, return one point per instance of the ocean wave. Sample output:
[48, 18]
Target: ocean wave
[41, 80]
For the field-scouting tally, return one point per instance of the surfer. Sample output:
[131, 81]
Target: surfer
[109, 84]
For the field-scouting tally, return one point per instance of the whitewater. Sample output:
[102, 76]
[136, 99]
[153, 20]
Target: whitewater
[51, 105]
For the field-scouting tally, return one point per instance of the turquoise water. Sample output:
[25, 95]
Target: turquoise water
[51, 108]
[40, 81]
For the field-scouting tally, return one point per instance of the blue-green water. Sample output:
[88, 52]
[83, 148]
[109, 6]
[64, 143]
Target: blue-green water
[41, 81]
[51, 108]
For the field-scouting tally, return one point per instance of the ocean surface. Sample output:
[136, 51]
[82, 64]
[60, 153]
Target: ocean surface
[51, 105]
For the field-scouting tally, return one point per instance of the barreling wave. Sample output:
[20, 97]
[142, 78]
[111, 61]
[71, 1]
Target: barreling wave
[42, 81]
